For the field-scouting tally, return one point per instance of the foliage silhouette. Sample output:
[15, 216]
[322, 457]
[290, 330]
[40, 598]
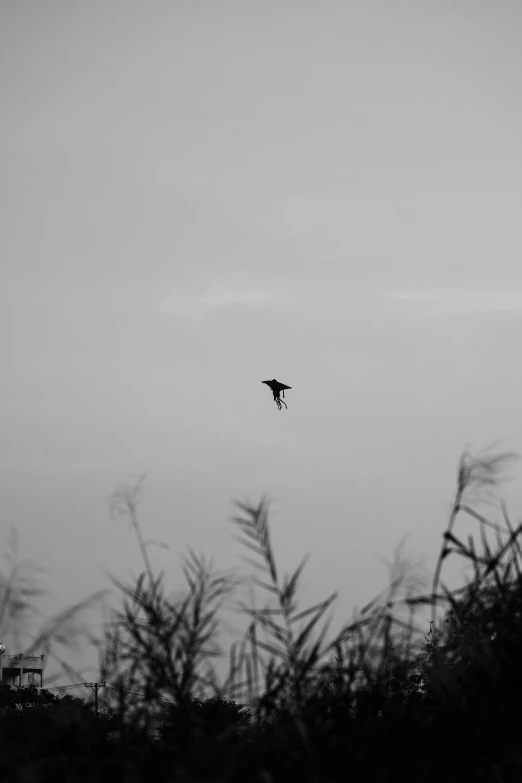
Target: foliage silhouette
[381, 701]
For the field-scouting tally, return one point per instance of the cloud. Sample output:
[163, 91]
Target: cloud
[461, 302]
[183, 306]
[219, 296]
[196, 308]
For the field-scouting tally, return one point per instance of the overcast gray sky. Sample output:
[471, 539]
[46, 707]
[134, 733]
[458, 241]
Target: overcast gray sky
[199, 196]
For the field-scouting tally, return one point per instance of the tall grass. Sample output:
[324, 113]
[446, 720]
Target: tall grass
[382, 700]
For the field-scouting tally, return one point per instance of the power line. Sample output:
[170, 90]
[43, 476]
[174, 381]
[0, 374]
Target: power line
[96, 687]
[102, 684]
[137, 693]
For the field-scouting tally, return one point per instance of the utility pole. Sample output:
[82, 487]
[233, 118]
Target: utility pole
[95, 686]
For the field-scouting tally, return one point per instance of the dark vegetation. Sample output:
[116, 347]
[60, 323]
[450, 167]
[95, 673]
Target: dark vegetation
[382, 701]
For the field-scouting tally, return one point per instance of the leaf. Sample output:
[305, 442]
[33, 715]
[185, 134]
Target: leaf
[290, 587]
[371, 604]
[253, 547]
[259, 566]
[266, 586]
[271, 649]
[303, 636]
[306, 612]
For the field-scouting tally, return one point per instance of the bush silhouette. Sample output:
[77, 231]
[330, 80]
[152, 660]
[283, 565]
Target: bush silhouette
[382, 701]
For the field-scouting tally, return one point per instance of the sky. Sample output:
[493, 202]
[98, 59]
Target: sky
[197, 197]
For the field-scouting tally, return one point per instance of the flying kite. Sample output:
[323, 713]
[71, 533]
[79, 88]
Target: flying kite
[277, 388]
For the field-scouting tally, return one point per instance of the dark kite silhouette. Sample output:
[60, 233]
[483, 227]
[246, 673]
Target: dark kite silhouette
[277, 388]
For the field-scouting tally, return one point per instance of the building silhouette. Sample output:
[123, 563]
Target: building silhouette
[21, 669]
